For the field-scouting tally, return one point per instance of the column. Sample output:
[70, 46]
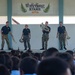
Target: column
[9, 17]
[61, 10]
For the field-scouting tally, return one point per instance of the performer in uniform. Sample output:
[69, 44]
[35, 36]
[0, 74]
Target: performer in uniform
[26, 35]
[61, 34]
[45, 36]
[5, 30]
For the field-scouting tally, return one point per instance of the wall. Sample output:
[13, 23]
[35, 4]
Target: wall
[69, 7]
[3, 7]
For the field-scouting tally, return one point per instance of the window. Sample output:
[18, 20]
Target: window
[36, 19]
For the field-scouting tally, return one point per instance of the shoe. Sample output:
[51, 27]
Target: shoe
[65, 48]
[10, 48]
[45, 49]
[42, 49]
[29, 50]
[25, 49]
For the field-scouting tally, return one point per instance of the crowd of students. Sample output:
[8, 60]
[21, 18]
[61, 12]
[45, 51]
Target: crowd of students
[49, 62]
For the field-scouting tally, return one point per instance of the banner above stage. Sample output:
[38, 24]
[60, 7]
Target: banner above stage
[34, 8]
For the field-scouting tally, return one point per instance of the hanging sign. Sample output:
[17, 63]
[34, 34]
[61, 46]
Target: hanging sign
[35, 8]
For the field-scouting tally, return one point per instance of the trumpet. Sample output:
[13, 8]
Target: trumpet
[44, 27]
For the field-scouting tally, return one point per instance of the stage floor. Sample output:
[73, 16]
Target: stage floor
[35, 50]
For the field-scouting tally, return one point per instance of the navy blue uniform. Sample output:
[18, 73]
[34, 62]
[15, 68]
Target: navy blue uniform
[5, 31]
[61, 30]
[62, 36]
[26, 38]
[26, 31]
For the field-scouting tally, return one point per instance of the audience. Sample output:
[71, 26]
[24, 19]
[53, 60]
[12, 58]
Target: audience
[53, 66]
[15, 67]
[50, 61]
[6, 60]
[50, 52]
[28, 66]
[4, 70]
[69, 59]
[38, 56]
[25, 54]
[70, 52]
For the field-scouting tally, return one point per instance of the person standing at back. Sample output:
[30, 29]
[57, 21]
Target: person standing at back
[61, 34]
[45, 36]
[26, 35]
[5, 30]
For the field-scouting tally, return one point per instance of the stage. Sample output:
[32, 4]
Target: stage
[34, 50]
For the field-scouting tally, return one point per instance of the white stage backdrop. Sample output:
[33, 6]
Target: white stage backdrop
[36, 34]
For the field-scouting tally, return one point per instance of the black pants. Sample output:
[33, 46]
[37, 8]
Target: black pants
[26, 42]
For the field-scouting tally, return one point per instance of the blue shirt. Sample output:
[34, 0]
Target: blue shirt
[30, 74]
[26, 31]
[5, 30]
[61, 29]
[15, 72]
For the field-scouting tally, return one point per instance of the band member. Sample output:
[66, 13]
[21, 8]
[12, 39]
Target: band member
[5, 30]
[61, 34]
[45, 36]
[26, 35]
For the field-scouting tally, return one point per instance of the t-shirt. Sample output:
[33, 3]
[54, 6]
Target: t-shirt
[15, 72]
[5, 30]
[26, 31]
[61, 29]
